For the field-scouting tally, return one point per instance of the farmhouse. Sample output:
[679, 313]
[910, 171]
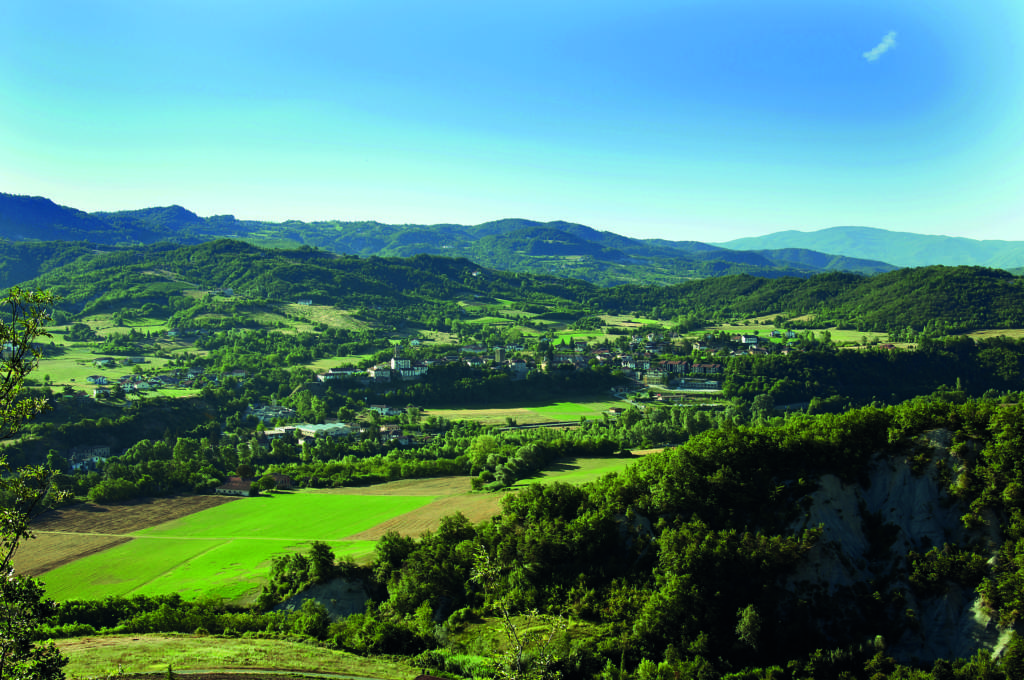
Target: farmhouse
[83, 457]
[236, 486]
[336, 374]
[322, 430]
[380, 372]
[267, 414]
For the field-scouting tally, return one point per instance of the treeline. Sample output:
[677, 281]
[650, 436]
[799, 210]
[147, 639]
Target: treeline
[941, 300]
[832, 378]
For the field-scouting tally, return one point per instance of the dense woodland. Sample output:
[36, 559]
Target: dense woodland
[707, 560]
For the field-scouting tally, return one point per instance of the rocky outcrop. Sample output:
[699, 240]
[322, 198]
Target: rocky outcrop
[869, 527]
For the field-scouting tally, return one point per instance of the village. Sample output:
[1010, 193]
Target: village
[651, 368]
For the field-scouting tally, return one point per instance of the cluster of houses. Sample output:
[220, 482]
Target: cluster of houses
[84, 458]
[644, 362]
[140, 382]
[307, 433]
[647, 361]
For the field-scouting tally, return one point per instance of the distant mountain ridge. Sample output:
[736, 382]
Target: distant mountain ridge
[903, 249]
[558, 248]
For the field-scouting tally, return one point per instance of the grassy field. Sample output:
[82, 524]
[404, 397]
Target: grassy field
[210, 546]
[338, 362]
[578, 470]
[75, 365]
[1015, 333]
[632, 321]
[225, 551]
[571, 410]
[752, 326]
[527, 413]
[103, 656]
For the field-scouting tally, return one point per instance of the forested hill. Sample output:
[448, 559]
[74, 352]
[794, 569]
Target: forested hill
[943, 299]
[151, 273]
[561, 248]
[939, 299]
[900, 248]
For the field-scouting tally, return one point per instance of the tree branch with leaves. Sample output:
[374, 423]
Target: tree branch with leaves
[532, 652]
[23, 493]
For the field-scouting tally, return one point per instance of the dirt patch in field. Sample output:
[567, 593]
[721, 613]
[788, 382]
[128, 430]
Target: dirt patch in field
[454, 496]
[89, 518]
[49, 551]
[476, 508]
[433, 486]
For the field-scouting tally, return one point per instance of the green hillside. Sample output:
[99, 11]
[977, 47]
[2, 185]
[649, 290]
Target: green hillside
[938, 299]
[560, 248]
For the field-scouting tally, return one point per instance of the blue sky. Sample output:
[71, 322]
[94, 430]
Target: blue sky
[688, 120]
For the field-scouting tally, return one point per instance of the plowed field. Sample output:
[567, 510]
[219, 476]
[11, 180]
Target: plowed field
[87, 518]
[68, 534]
[453, 495]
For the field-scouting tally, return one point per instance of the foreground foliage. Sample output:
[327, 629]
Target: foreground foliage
[23, 602]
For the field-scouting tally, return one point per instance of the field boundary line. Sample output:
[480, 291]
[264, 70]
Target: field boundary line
[176, 566]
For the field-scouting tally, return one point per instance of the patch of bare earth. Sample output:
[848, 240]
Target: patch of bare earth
[454, 496]
[433, 486]
[70, 533]
[90, 518]
[49, 551]
[476, 508]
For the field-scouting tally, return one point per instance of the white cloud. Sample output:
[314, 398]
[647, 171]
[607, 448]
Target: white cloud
[888, 42]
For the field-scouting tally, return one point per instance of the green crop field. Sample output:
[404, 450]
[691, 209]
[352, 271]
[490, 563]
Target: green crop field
[578, 470]
[571, 410]
[75, 365]
[225, 551]
[298, 516]
[525, 413]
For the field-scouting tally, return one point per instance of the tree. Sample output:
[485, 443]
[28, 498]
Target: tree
[748, 626]
[24, 319]
[531, 654]
[23, 602]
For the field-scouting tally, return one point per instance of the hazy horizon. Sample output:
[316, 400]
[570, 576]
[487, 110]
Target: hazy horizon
[705, 121]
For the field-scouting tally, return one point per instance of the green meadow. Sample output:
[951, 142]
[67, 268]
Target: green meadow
[154, 655]
[76, 364]
[578, 470]
[526, 412]
[225, 552]
[571, 410]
